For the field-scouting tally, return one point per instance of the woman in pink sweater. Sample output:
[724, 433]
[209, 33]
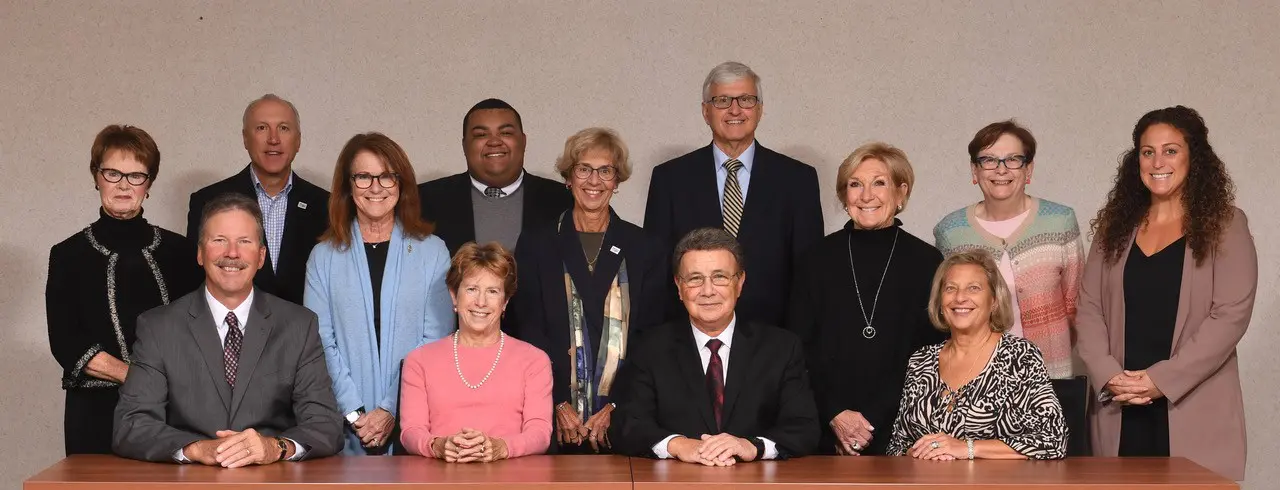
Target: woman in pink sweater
[477, 395]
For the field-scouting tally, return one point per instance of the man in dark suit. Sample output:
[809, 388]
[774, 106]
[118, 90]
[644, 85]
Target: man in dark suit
[684, 399]
[495, 199]
[767, 200]
[295, 211]
[226, 375]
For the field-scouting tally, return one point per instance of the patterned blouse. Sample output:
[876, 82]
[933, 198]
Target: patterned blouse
[1010, 400]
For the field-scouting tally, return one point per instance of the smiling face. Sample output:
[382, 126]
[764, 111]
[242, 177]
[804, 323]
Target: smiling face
[231, 252]
[376, 202]
[272, 137]
[480, 300]
[1163, 160]
[710, 306]
[871, 196]
[121, 200]
[967, 298]
[734, 125]
[592, 194]
[494, 146]
[1002, 183]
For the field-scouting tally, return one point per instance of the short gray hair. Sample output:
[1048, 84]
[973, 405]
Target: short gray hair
[244, 122]
[729, 72]
[707, 240]
[232, 201]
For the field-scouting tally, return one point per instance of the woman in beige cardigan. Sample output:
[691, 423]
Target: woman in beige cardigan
[1167, 294]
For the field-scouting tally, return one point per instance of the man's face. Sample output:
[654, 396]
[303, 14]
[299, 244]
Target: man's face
[494, 146]
[271, 137]
[733, 125]
[231, 252]
[710, 283]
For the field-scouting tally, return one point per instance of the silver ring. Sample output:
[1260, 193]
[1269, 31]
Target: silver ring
[857, 447]
[935, 444]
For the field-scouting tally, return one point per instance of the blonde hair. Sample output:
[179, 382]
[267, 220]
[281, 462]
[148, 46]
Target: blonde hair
[1001, 319]
[899, 169]
[595, 139]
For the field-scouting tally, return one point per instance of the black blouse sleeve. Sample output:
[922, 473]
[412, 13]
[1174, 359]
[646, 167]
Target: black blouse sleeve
[72, 344]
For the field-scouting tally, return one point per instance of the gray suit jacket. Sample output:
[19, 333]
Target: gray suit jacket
[176, 392]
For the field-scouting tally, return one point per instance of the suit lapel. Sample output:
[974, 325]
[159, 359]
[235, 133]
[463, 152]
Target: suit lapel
[258, 330]
[687, 356]
[705, 196]
[742, 354]
[205, 331]
[465, 228]
[762, 178]
[1189, 277]
[608, 262]
[1117, 306]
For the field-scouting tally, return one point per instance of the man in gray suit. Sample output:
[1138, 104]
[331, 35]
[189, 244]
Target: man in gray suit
[227, 375]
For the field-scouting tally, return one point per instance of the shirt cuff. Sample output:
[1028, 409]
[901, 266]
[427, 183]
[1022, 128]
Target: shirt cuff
[660, 449]
[770, 449]
[179, 457]
[299, 451]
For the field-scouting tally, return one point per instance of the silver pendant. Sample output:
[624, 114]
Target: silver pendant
[869, 332]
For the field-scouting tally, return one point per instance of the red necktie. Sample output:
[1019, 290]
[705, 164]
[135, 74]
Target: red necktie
[231, 349]
[715, 379]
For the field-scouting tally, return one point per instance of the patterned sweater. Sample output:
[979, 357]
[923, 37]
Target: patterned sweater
[1047, 256]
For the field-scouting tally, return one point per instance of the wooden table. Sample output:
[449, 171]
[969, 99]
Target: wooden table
[867, 473]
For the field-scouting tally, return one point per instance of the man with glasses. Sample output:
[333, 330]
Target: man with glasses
[684, 399]
[768, 201]
[495, 199]
[295, 212]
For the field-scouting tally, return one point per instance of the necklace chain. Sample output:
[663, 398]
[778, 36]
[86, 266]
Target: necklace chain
[870, 331]
[502, 340]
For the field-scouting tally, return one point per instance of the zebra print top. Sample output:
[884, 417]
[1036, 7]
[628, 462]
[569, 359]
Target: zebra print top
[1011, 400]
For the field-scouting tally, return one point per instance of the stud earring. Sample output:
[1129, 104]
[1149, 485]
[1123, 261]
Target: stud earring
[899, 208]
[95, 187]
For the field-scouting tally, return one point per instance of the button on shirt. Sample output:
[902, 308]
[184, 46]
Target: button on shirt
[506, 191]
[748, 158]
[274, 209]
[704, 353]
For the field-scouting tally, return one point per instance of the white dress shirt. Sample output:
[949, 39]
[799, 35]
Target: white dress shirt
[748, 159]
[726, 338]
[506, 191]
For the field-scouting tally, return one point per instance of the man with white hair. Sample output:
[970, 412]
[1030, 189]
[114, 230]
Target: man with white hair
[767, 200]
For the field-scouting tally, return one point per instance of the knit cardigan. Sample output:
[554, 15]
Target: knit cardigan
[1046, 252]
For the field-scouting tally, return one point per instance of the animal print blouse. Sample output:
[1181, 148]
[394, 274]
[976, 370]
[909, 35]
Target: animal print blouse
[1010, 400]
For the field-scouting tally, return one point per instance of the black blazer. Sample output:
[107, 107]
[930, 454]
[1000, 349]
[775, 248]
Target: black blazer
[782, 217]
[766, 394]
[306, 220]
[447, 203]
[542, 311]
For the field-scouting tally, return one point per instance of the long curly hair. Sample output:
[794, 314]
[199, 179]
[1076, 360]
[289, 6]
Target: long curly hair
[1208, 196]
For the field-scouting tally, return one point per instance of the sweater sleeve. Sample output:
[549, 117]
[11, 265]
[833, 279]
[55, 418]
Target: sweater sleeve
[415, 415]
[71, 344]
[1072, 266]
[535, 429]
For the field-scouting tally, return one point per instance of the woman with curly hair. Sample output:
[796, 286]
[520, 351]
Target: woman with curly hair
[1167, 294]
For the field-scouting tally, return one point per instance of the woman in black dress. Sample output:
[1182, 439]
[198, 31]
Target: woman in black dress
[859, 301]
[102, 277]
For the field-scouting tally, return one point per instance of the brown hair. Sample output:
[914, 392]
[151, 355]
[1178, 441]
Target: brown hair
[129, 139]
[232, 201]
[489, 257]
[1001, 312]
[899, 169]
[595, 139]
[988, 135]
[342, 207]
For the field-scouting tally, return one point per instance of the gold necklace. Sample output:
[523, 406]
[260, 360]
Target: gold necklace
[951, 397]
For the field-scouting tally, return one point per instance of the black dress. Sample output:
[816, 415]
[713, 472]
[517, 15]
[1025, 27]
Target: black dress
[1152, 286]
[848, 370]
[100, 279]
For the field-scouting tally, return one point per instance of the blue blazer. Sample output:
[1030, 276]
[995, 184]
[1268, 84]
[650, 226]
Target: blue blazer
[416, 309]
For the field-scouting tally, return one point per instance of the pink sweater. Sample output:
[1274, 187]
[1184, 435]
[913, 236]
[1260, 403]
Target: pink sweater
[513, 405]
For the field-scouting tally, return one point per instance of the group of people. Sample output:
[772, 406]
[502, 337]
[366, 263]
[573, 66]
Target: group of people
[494, 313]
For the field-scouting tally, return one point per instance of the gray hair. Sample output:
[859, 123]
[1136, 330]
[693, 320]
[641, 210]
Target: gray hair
[232, 201]
[729, 72]
[273, 97]
[707, 240]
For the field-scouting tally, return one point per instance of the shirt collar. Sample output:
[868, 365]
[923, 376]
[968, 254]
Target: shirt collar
[701, 338]
[508, 189]
[747, 157]
[257, 185]
[219, 310]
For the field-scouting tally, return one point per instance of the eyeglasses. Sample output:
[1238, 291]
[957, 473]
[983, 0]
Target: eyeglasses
[1011, 162]
[385, 180]
[718, 279]
[113, 176]
[724, 101]
[607, 172]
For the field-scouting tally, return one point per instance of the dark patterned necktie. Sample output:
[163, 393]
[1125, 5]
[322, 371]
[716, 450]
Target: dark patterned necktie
[733, 205]
[231, 348]
[493, 192]
[715, 379]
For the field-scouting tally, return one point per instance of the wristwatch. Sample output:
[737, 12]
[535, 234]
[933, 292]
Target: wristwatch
[759, 444]
[284, 448]
[354, 415]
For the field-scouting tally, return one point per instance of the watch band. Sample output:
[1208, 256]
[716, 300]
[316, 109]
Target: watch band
[759, 444]
[284, 448]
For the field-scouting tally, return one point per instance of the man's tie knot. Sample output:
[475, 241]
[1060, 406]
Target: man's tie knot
[492, 192]
[733, 165]
[714, 345]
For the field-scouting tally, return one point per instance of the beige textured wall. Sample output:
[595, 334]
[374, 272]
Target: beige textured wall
[922, 75]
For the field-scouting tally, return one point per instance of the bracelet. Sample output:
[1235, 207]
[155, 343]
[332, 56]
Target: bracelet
[969, 443]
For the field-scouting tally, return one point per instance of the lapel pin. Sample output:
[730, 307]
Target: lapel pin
[302, 205]
[615, 249]
[411, 248]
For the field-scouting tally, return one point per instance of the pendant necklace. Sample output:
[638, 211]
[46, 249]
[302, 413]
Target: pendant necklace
[869, 331]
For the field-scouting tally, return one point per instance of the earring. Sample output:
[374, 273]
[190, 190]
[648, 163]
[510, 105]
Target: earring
[899, 208]
[95, 187]
[148, 195]
[1028, 180]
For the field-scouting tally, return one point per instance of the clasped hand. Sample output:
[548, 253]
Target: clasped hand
[939, 447]
[717, 450]
[853, 432]
[470, 446]
[374, 427]
[1133, 388]
[571, 430]
[234, 449]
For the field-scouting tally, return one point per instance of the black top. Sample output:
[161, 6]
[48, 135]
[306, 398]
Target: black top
[1152, 286]
[376, 253]
[848, 370]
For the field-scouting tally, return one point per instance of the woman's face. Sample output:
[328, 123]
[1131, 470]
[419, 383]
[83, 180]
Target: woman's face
[871, 198]
[375, 202]
[1163, 161]
[122, 199]
[967, 298]
[1003, 183]
[480, 300]
[593, 193]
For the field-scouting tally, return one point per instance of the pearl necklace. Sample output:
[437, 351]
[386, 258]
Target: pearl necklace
[502, 339]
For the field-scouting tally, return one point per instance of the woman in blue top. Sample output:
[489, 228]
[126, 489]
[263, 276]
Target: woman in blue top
[377, 283]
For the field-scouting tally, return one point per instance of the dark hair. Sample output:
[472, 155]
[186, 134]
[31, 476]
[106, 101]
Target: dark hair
[490, 104]
[342, 207]
[129, 139]
[490, 257]
[706, 240]
[1208, 195]
[232, 201]
[988, 135]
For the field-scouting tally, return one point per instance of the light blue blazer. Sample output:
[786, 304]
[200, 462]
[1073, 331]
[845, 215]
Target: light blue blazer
[416, 309]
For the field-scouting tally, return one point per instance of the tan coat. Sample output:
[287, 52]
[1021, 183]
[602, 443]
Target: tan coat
[1201, 378]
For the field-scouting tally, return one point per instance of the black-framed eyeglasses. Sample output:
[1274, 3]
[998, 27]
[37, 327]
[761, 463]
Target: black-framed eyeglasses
[1011, 162]
[607, 172]
[724, 101]
[717, 279]
[386, 180]
[113, 176]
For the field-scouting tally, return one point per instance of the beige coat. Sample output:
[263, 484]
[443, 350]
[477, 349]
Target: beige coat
[1201, 378]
